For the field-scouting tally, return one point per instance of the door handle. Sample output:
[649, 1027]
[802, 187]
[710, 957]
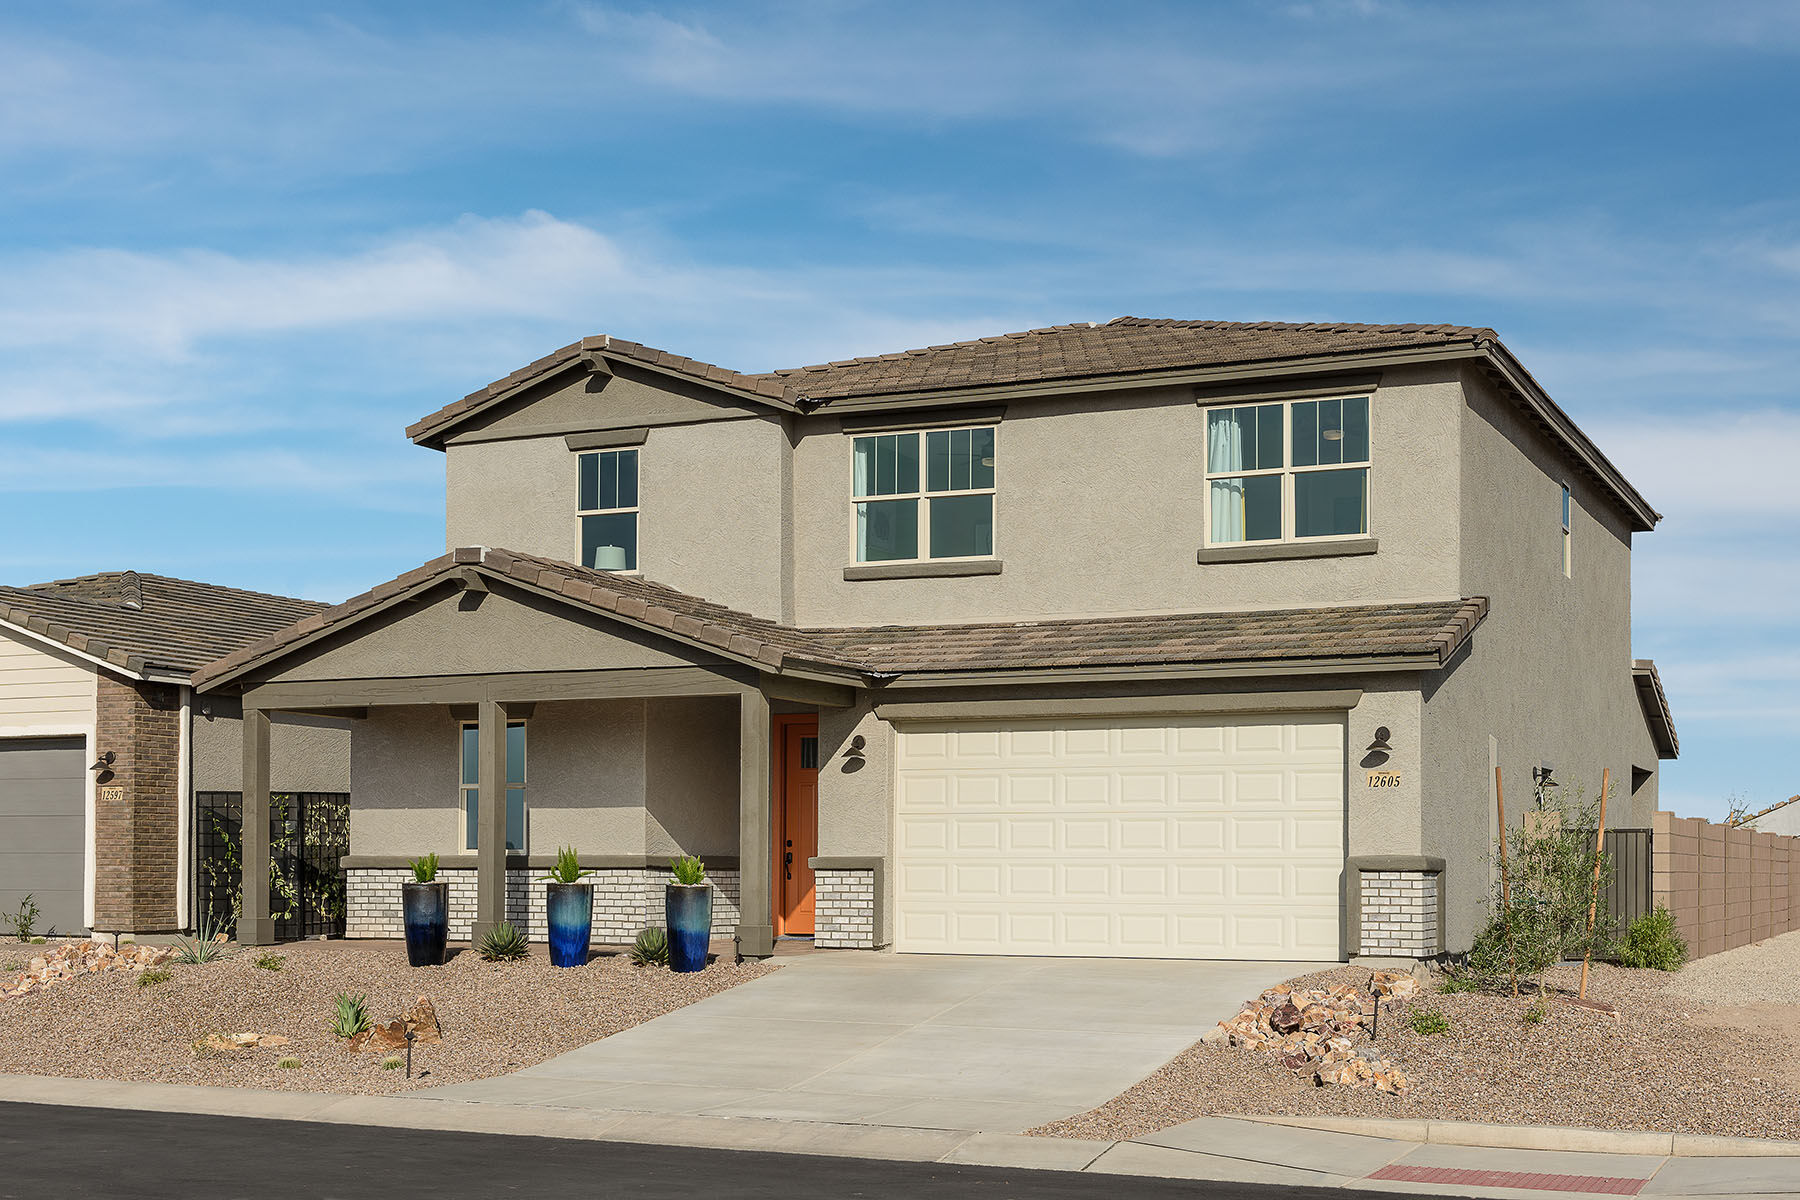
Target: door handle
[789, 863]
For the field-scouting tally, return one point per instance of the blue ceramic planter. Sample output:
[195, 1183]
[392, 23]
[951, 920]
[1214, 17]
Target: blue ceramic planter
[689, 911]
[570, 907]
[426, 907]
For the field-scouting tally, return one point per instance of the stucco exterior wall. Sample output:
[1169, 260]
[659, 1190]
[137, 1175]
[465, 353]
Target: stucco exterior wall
[613, 777]
[1100, 510]
[42, 689]
[1548, 674]
[306, 754]
[711, 493]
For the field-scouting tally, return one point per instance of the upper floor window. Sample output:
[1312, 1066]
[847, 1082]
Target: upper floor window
[515, 785]
[608, 506]
[1288, 471]
[923, 496]
[1568, 532]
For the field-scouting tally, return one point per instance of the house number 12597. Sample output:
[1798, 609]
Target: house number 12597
[1384, 779]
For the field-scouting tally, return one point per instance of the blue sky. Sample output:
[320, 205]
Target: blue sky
[242, 246]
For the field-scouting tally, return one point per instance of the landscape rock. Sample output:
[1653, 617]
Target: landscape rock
[421, 1020]
[1315, 1033]
[75, 959]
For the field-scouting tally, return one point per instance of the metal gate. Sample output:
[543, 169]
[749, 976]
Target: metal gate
[309, 834]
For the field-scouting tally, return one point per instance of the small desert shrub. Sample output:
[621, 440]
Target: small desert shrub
[1537, 1012]
[687, 870]
[287, 1062]
[424, 868]
[1458, 979]
[203, 1048]
[13, 965]
[1428, 1022]
[351, 1015]
[651, 949]
[39, 940]
[1652, 942]
[503, 943]
[22, 923]
[154, 976]
[392, 1062]
[204, 948]
[270, 962]
[567, 868]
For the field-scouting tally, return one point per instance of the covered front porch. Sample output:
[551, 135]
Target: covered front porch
[501, 714]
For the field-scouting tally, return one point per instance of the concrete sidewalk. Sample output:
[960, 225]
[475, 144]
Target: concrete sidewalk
[917, 1041]
[1213, 1148]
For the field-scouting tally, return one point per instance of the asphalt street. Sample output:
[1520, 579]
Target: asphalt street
[56, 1153]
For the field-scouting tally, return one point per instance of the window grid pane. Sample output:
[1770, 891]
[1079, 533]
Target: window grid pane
[1331, 503]
[962, 526]
[887, 530]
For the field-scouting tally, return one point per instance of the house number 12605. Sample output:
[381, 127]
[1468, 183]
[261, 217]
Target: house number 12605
[1384, 779]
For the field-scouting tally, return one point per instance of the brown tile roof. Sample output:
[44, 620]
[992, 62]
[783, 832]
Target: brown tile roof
[1655, 703]
[1747, 818]
[143, 622]
[1123, 346]
[1432, 630]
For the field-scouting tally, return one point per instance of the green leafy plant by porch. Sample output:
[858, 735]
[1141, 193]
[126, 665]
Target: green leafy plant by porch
[424, 868]
[350, 1015]
[651, 948]
[505, 942]
[23, 923]
[1653, 943]
[567, 868]
[1428, 1022]
[688, 870]
[205, 947]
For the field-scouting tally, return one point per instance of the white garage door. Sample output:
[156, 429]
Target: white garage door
[1189, 838]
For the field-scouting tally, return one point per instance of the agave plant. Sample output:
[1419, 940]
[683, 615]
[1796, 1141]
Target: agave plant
[505, 942]
[651, 949]
[424, 867]
[687, 870]
[567, 868]
[351, 1016]
[207, 946]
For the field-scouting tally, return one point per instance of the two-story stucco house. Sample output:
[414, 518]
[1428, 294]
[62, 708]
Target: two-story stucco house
[1151, 638]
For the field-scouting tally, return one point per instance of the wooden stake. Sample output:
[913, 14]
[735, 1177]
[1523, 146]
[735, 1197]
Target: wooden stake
[1594, 896]
[1512, 959]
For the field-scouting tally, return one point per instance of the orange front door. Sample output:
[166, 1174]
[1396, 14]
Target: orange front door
[797, 827]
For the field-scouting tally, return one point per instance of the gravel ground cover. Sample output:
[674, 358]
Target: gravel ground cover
[1672, 1061]
[496, 1017]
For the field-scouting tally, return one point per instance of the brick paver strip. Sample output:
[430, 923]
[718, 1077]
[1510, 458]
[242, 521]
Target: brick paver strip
[1540, 1181]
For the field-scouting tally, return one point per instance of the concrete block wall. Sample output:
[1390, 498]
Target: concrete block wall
[844, 909]
[626, 900]
[1726, 886]
[1400, 913]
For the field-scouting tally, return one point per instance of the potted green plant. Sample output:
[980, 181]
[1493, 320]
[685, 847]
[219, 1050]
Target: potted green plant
[569, 905]
[687, 903]
[425, 904]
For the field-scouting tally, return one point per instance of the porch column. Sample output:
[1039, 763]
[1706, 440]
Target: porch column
[255, 928]
[490, 820]
[756, 833]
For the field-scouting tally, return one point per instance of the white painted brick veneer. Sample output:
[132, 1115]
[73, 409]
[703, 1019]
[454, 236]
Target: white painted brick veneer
[1400, 913]
[844, 909]
[626, 900]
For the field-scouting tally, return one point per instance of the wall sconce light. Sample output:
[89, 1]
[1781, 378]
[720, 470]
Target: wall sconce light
[105, 761]
[1540, 775]
[854, 752]
[1381, 740]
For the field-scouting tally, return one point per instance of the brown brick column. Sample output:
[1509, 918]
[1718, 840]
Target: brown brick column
[137, 807]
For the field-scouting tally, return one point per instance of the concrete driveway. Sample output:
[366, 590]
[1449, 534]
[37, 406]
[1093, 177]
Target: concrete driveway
[925, 1041]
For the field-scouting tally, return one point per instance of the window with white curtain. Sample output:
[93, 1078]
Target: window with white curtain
[1292, 471]
[923, 496]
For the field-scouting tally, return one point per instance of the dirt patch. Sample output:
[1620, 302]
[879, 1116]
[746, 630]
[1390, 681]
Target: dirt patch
[1666, 1063]
[495, 1017]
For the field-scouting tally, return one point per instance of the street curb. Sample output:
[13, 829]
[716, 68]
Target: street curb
[1540, 1137]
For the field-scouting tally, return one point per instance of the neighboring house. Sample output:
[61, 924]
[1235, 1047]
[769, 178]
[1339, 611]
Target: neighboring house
[1782, 817]
[103, 745]
[1154, 638]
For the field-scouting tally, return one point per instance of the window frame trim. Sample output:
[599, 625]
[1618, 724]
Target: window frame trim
[463, 789]
[923, 496]
[635, 510]
[1288, 472]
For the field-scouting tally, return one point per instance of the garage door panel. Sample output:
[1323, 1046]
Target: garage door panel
[43, 829]
[1134, 838]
